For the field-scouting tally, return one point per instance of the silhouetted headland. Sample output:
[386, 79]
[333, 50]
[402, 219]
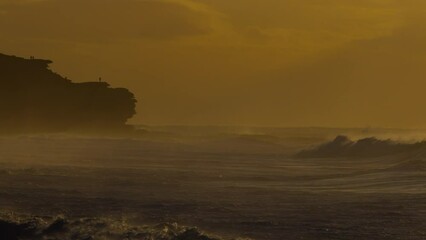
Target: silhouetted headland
[35, 99]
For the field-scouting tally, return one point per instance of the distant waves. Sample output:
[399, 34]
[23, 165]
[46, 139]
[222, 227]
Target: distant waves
[342, 146]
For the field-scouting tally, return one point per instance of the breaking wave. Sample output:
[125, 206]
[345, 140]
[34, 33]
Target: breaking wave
[342, 146]
[60, 228]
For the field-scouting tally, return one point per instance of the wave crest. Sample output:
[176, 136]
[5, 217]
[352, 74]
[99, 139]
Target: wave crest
[37, 228]
[342, 146]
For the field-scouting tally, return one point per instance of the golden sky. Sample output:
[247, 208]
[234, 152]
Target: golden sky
[331, 63]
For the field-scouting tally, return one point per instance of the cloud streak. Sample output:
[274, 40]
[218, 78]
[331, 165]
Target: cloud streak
[102, 20]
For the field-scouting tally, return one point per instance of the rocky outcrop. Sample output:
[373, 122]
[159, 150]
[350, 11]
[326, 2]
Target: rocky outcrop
[35, 99]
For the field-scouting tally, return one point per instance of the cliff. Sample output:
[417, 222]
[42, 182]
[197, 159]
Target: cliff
[35, 99]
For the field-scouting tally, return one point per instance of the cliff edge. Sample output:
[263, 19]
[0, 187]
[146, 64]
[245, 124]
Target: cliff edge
[35, 99]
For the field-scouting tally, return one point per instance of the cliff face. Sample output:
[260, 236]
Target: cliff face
[33, 98]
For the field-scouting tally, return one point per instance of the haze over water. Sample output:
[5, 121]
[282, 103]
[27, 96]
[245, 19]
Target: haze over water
[212, 120]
